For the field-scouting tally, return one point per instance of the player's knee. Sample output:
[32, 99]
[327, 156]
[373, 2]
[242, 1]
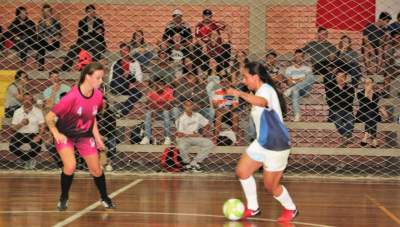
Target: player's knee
[96, 172]
[69, 169]
[241, 174]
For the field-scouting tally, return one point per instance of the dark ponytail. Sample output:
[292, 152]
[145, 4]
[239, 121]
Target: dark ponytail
[89, 69]
[256, 68]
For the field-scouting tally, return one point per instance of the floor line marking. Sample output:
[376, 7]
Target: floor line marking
[384, 209]
[162, 213]
[96, 204]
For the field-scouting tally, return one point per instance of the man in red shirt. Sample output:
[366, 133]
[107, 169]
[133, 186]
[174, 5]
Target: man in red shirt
[207, 26]
[159, 103]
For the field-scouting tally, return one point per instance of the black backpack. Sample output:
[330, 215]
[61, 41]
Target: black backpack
[137, 133]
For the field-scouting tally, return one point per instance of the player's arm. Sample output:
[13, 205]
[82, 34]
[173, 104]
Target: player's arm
[250, 98]
[51, 124]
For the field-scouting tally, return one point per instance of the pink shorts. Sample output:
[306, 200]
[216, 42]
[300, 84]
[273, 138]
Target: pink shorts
[86, 145]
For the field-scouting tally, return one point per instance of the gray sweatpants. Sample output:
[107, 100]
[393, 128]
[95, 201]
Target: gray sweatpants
[185, 143]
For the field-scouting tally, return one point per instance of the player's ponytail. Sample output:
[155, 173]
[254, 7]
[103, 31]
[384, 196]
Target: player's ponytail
[89, 69]
[256, 68]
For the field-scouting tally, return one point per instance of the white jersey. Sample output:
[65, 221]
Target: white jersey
[268, 93]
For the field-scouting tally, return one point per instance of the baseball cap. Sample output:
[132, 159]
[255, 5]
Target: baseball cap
[207, 12]
[177, 12]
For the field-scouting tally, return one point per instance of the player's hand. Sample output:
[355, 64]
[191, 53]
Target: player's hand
[232, 91]
[100, 145]
[60, 138]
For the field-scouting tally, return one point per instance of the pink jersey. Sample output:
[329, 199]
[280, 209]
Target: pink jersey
[77, 113]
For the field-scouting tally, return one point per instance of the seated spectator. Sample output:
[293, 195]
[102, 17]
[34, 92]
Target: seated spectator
[15, 93]
[22, 34]
[141, 51]
[49, 34]
[28, 122]
[320, 51]
[373, 43]
[52, 94]
[159, 103]
[395, 26]
[351, 58]
[300, 80]
[221, 50]
[164, 69]
[188, 135]
[108, 127]
[369, 111]
[190, 87]
[392, 60]
[124, 72]
[90, 33]
[178, 27]
[274, 69]
[207, 26]
[342, 108]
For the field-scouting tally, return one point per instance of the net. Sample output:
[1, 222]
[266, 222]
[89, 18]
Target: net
[336, 65]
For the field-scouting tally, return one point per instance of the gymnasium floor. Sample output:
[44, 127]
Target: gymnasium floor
[157, 201]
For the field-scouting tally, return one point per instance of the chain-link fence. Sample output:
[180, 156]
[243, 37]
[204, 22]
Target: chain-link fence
[336, 63]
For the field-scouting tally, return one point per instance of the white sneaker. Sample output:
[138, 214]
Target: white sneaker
[145, 141]
[167, 141]
[109, 168]
[297, 117]
[288, 92]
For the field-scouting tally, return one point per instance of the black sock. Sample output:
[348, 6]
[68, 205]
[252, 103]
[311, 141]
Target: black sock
[66, 181]
[101, 186]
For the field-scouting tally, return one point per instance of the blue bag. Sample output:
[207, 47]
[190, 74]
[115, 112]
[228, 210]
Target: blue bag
[274, 135]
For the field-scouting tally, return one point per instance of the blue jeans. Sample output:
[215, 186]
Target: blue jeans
[344, 122]
[111, 143]
[299, 90]
[166, 117]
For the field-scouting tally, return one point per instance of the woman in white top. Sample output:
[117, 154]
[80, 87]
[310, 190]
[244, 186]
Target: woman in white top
[256, 78]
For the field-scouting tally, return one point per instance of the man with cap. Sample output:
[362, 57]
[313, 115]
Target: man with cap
[177, 27]
[207, 26]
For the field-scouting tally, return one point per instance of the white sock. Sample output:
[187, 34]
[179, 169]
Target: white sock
[286, 200]
[250, 191]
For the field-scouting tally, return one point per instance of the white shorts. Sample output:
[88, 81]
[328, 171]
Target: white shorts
[273, 161]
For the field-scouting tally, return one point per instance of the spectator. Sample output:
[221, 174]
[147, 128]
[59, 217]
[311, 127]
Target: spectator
[22, 33]
[159, 103]
[49, 34]
[373, 43]
[300, 80]
[274, 69]
[220, 50]
[392, 60]
[108, 127]
[395, 26]
[90, 38]
[342, 109]
[53, 93]
[190, 87]
[207, 26]
[178, 27]
[369, 111]
[188, 135]
[15, 93]
[164, 69]
[351, 58]
[124, 72]
[28, 122]
[141, 51]
[320, 50]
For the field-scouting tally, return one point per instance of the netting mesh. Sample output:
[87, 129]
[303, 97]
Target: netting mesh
[336, 64]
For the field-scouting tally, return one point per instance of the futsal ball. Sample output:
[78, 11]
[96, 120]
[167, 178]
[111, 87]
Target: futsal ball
[233, 209]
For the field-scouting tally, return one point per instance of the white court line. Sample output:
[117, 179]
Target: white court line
[164, 213]
[96, 204]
